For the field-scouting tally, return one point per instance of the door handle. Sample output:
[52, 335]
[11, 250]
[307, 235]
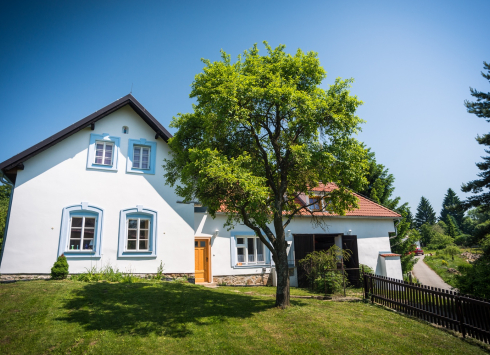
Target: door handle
[206, 258]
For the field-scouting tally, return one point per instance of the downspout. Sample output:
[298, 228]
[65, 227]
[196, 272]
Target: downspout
[6, 181]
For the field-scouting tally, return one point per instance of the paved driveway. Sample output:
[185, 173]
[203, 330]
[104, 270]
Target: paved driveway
[428, 277]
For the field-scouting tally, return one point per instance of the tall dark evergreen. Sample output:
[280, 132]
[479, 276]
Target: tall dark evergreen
[451, 206]
[481, 108]
[425, 213]
[380, 184]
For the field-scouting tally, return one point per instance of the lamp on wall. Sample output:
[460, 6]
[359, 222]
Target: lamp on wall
[349, 232]
[216, 232]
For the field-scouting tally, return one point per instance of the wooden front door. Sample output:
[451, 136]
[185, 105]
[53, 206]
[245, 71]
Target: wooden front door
[201, 251]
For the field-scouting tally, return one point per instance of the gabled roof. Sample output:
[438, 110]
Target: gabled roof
[16, 161]
[367, 208]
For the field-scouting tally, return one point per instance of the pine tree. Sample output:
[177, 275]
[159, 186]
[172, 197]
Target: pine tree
[380, 184]
[425, 213]
[481, 108]
[452, 206]
[451, 227]
[409, 218]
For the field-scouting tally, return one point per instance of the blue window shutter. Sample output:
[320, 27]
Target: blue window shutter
[233, 251]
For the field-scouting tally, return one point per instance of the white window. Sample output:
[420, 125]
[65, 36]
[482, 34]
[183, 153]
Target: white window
[141, 158]
[250, 250]
[82, 232]
[104, 153]
[138, 232]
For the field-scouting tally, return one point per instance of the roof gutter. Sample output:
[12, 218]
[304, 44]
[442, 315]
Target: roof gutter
[5, 180]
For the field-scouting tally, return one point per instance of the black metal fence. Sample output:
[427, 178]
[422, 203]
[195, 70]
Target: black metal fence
[465, 314]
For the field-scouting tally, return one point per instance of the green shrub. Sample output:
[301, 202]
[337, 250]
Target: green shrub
[129, 278]
[159, 274]
[330, 282]
[318, 267]
[440, 241]
[463, 240]
[59, 271]
[452, 250]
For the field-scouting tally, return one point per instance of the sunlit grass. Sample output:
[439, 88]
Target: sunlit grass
[59, 317]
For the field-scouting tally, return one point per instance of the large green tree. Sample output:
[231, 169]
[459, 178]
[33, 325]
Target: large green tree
[479, 187]
[380, 189]
[262, 132]
[380, 186]
[403, 242]
[451, 206]
[425, 213]
[476, 279]
[4, 206]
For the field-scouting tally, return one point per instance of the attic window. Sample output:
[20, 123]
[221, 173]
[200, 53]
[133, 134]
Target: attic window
[125, 129]
[316, 203]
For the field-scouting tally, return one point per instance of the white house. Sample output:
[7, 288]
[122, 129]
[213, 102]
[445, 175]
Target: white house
[95, 192]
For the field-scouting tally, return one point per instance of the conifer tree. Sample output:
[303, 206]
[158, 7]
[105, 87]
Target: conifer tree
[451, 205]
[451, 227]
[380, 184]
[425, 213]
[481, 108]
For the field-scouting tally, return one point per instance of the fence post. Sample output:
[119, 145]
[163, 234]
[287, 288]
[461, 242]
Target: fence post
[459, 310]
[364, 284]
[343, 276]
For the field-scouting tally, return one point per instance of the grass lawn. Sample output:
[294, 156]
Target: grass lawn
[59, 317]
[436, 264]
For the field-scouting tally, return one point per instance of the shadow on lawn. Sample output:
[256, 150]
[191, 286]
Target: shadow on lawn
[163, 309]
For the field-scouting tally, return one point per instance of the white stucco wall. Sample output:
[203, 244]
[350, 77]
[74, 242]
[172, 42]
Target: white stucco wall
[58, 177]
[372, 237]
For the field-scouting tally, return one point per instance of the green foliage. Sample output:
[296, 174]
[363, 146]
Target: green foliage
[452, 250]
[59, 270]
[262, 131]
[404, 240]
[319, 266]
[451, 227]
[4, 206]
[425, 213]
[463, 240]
[480, 108]
[440, 241]
[167, 317]
[427, 232]
[367, 270]
[475, 279]
[380, 183]
[451, 206]
[159, 274]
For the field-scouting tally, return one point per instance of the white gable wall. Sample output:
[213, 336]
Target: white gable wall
[58, 177]
[372, 237]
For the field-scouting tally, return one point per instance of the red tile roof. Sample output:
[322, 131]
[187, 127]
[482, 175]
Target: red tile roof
[367, 208]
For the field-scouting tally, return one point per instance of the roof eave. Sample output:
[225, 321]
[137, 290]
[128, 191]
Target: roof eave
[129, 99]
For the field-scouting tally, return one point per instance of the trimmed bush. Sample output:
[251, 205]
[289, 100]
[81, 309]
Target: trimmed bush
[59, 271]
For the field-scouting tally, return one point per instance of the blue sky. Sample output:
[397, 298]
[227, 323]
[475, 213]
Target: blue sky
[413, 63]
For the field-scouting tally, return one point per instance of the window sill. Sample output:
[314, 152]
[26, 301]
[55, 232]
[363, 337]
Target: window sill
[80, 251]
[141, 171]
[81, 254]
[139, 254]
[251, 266]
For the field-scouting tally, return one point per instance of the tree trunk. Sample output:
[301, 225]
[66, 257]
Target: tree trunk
[282, 269]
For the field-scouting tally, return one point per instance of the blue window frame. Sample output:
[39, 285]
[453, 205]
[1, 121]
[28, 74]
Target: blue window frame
[141, 156]
[81, 231]
[103, 152]
[247, 251]
[137, 233]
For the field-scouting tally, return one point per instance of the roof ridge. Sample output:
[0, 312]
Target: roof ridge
[66, 132]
